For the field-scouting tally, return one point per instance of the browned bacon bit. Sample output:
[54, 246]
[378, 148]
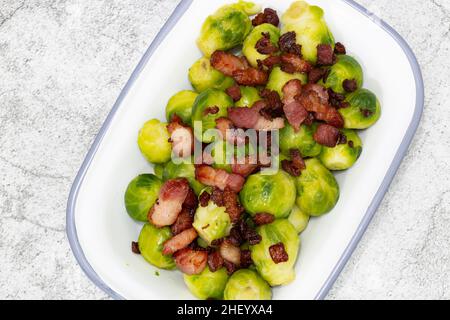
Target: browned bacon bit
[288, 44]
[227, 63]
[172, 195]
[244, 169]
[219, 178]
[292, 63]
[316, 74]
[252, 236]
[278, 253]
[217, 197]
[272, 98]
[309, 120]
[326, 135]
[232, 205]
[339, 48]
[204, 199]
[296, 165]
[264, 45]
[217, 242]
[234, 92]
[230, 266]
[215, 261]
[351, 144]
[180, 241]
[230, 252]
[343, 105]
[270, 62]
[366, 113]
[291, 89]
[184, 221]
[263, 218]
[296, 114]
[181, 137]
[250, 118]
[268, 16]
[350, 85]
[342, 138]
[251, 77]
[325, 55]
[191, 261]
[211, 110]
[246, 259]
[191, 201]
[135, 247]
[235, 237]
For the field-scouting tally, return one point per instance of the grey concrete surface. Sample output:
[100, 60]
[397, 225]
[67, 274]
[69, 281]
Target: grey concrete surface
[64, 62]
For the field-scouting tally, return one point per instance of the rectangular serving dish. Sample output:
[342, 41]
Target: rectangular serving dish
[100, 231]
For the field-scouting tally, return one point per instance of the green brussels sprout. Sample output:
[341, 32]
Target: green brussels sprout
[181, 105]
[212, 222]
[203, 76]
[153, 141]
[249, 96]
[224, 30]
[186, 170]
[303, 140]
[249, 47]
[274, 194]
[246, 284]
[343, 156]
[159, 170]
[141, 195]
[280, 231]
[346, 68]
[278, 78]
[298, 219]
[310, 27]
[364, 110]
[151, 243]
[317, 189]
[207, 285]
[206, 99]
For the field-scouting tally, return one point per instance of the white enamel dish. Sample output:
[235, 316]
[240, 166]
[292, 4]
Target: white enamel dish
[100, 231]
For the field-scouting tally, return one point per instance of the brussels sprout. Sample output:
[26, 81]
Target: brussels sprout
[159, 170]
[298, 219]
[249, 96]
[207, 285]
[274, 194]
[225, 29]
[186, 170]
[203, 76]
[246, 284]
[310, 27]
[206, 99]
[302, 140]
[153, 140]
[151, 243]
[278, 78]
[317, 189]
[212, 222]
[280, 231]
[141, 195]
[346, 68]
[249, 47]
[364, 110]
[343, 156]
[181, 105]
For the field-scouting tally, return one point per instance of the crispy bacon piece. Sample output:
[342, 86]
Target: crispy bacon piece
[264, 45]
[184, 221]
[248, 233]
[217, 197]
[204, 199]
[227, 63]
[234, 92]
[191, 201]
[295, 166]
[251, 77]
[245, 169]
[219, 178]
[246, 259]
[268, 16]
[316, 74]
[215, 261]
[263, 218]
[180, 241]
[230, 266]
[232, 205]
[292, 63]
[339, 48]
[251, 118]
[350, 85]
[211, 110]
[191, 261]
[269, 62]
[235, 237]
[327, 135]
[182, 138]
[291, 89]
[135, 247]
[278, 253]
[296, 114]
[288, 44]
[325, 55]
[172, 195]
[229, 132]
[230, 252]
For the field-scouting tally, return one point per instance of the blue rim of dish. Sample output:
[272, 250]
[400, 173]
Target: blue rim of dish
[179, 11]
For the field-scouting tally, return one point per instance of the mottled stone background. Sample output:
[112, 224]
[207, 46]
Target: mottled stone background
[63, 64]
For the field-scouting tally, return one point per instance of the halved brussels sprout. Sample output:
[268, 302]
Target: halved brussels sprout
[317, 189]
[280, 231]
[343, 156]
[310, 27]
[298, 219]
[212, 222]
[246, 284]
[249, 95]
[364, 110]
[203, 76]
[225, 29]
[249, 47]
[274, 194]
[181, 105]
[151, 243]
[278, 78]
[141, 195]
[208, 99]
[207, 285]
[346, 68]
[186, 170]
[303, 140]
[153, 141]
